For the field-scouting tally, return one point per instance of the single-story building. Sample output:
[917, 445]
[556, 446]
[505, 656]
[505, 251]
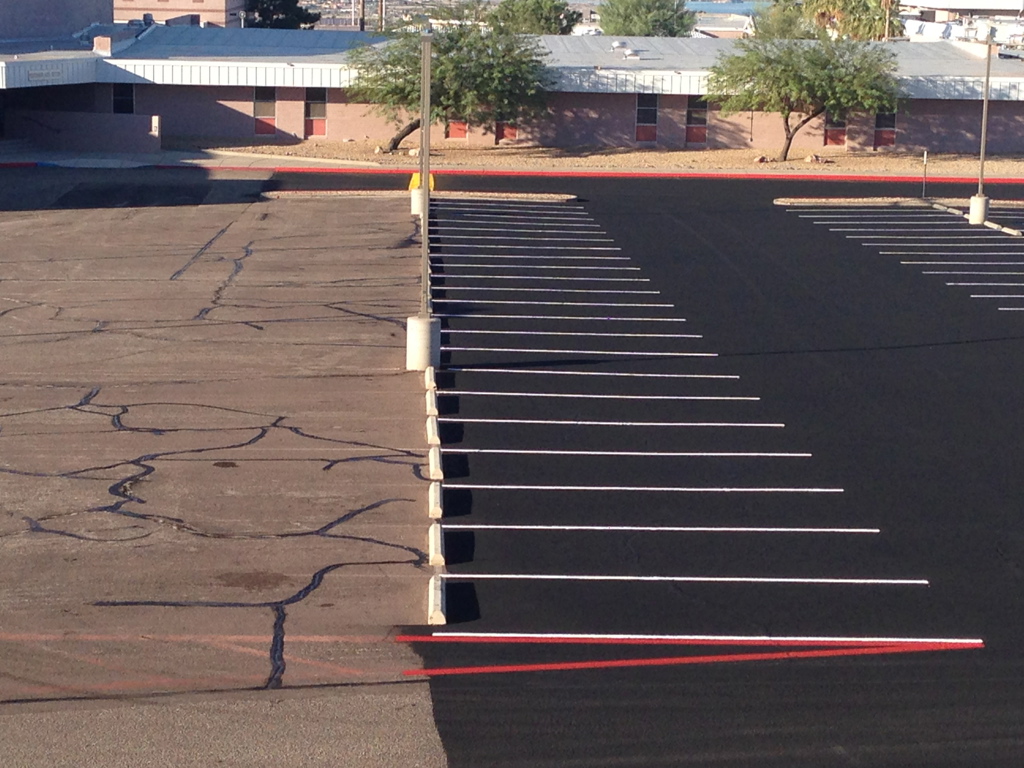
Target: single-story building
[124, 88]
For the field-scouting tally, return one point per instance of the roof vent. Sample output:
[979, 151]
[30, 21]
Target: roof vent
[629, 53]
[619, 44]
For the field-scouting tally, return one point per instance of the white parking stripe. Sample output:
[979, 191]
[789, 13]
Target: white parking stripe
[634, 488]
[959, 235]
[510, 289]
[654, 454]
[449, 256]
[491, 238]
[610, 352]
[1015, 252]
[573, 333]
[685, 579]
[551, 278]
[997, 296]
[731, 377]
[561, 267]
[932, 271]
[982, 285]
[652, 529]
[579, 423]
[965, 263]
[540, 247]
[932, 245]
[571, 317]
[549, 303]
[540, 227]
[580, 396]
[726, 639]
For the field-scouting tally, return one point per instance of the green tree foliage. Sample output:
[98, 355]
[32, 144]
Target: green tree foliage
[856, 19]
[279, 14]
[784, 20]
[479, 75]
[536, 17]
[802, 79]
[646, 18]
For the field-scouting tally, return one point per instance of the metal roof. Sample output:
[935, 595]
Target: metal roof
[251, 44]
[306, 58]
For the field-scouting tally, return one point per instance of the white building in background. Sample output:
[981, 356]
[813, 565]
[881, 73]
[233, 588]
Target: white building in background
[216, 13]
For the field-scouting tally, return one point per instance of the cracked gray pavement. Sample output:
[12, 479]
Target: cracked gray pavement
[212, 507]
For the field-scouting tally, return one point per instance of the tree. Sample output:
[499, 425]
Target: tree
[279, 14]
[479, 75]
[857, 19]
[805, 78]
[784, 19]
[536, 17]
[646, 18]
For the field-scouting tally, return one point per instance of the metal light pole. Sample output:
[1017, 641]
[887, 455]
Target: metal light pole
[425, 44]
[979, 203]
[423, 332]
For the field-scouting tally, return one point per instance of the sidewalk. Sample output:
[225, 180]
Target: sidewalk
[173, 158]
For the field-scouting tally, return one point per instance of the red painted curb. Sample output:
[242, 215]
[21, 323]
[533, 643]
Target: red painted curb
[567, 173]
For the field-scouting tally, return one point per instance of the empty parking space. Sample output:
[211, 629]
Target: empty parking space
[607, 471]
[982, 263]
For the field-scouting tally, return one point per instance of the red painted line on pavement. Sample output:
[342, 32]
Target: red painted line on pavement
[681, 660]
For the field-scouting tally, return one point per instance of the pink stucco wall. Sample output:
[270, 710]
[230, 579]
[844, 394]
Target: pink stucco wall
[587, 119]
[85, 131]
[576, 120]
[763, 132]
[223, 112]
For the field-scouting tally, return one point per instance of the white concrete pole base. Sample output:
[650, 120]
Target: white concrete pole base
[416, 201]
[979, 210]
[422, 343]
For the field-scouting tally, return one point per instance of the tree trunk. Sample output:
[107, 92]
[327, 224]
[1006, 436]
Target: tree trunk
[791, 132]
[784, 153]
[405, 131]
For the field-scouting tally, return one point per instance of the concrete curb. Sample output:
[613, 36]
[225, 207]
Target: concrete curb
[435, 544]
[435, 501]
[434, 471]
[436, 607]
[433, 434]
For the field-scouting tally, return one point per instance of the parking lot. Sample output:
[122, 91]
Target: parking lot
[714, 476]
[211, 507]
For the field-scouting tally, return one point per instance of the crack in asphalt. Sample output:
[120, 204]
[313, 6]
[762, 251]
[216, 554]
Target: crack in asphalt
[143, 466]
[275, 679]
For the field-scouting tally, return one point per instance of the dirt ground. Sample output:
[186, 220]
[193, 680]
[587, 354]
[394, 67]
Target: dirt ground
[826, 160]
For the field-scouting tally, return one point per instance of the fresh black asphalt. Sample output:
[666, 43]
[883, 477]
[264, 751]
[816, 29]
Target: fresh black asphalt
[904, 392]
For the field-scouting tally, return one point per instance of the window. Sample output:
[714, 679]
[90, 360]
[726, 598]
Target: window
[124, 99]
[647, 117]
[505, 131]
[264, 109]
[835, 131]
[456, 129]
[696, 120]
[885, 129]
[316, 112]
